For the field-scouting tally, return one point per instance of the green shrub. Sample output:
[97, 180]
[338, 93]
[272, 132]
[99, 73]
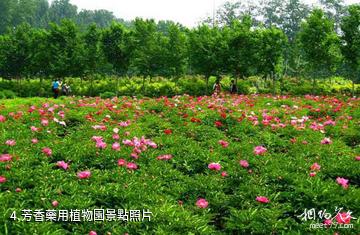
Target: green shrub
[7, 94]
[107, 95]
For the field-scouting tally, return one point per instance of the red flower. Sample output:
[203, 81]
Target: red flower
[195, 120]
[168, 131]
[218, 124]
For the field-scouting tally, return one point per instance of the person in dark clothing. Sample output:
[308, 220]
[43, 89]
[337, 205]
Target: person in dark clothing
[233, 87]
[65, 89]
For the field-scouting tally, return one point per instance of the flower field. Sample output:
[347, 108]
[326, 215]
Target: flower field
[189, 165]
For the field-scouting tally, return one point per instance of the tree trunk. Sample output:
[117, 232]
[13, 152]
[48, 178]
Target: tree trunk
[207, 85]
[143, 85]
[274, 83]
[117, 87]
[313, 85]
[353, 88]
[91, 86]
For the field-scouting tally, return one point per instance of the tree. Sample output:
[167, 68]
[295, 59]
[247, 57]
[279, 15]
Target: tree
[61, 9]
[65, 49]
[208, 51]
[334, 9]
[115, 41]
[350, 27]
[5, 14]
[115, 46]
[15, 51]
[243, 49]
[93, 56]
[101, 18]
[320, 45]
[41, 14]
[146, 57]
[231, 11]
[176, 51]
[39, 56]
[273, 45]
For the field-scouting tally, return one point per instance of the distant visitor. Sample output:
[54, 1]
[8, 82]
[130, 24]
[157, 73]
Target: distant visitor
[55, 88]
[217, 87]
[233, 87]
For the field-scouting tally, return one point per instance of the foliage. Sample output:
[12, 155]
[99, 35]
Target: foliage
[320, 44]
[351, 42]
[195, 131]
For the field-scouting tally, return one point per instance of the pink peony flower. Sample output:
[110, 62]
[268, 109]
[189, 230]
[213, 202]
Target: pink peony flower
[62, 164]
[134, 155]
[121, 162]
[18, 190]
[2, 118]
[124, 124]
[151, 144]
[202, 203]
[47, 151]
[312, 174]
[259, 150]
[326, 141]
[315, 167]
[34, 141]
[84, 174]
[34, 129]
[244, 163]
[343, 182]
[131, 166]
[116, 136]
[10, 142]
[224, 174]
[101, 145]
[2, 179]
[164, 157]
[214, 166]
[5, 157]
[44, 122]
[327, 222]
[329, 123]
[97, 138]
[55, 203]
[92, 233]
[223, 143]
[262, 199]
[343, 218]
[116, 146]
[128, 142]
[357, 158]
[99, 127]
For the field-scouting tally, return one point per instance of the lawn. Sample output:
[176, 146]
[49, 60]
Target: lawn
[253, 164]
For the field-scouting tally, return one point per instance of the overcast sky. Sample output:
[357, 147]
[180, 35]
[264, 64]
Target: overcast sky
[186, 12]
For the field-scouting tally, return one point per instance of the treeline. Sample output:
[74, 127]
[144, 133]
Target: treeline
[39, 14]
[239, 46]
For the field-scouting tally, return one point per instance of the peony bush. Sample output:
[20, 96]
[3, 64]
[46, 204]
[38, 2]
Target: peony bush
[241, 164]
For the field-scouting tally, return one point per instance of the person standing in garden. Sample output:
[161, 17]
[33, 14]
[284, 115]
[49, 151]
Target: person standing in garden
[217, 87]
[65, 89]
[55, 88]
[233, 87]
